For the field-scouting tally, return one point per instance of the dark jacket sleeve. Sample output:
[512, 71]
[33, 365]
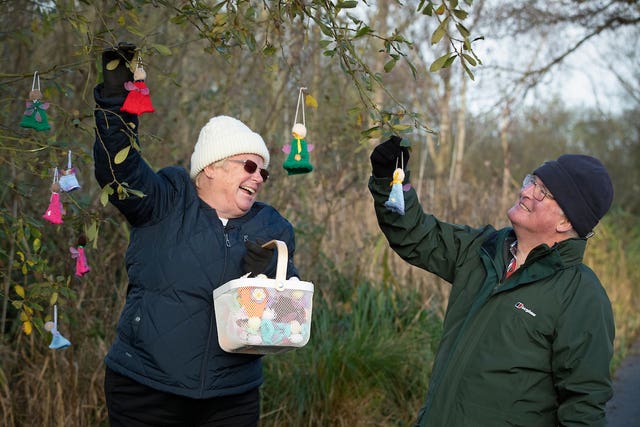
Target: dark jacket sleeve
[420, 238]
[117, 131]
[582, 351]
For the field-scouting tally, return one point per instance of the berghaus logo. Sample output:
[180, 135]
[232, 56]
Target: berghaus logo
[521, 306]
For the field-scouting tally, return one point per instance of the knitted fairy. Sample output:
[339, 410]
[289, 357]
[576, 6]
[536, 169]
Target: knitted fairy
[68, 179]
[297, 161]
[395, 203]
[58, 342]
[82, 267]
[138, 100]
[35, 116]
[55, 210]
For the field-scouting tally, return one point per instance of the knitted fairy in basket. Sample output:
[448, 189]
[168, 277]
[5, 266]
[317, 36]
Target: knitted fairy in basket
[297, 161]
[35, 115]
[138, 100]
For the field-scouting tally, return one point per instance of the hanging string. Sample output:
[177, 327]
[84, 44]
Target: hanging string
[69, 160]
[36, 78]
[55, 317]
[300, 102]
[56, 177]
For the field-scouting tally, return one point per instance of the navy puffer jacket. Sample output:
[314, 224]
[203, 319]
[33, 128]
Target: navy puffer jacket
[179, 252]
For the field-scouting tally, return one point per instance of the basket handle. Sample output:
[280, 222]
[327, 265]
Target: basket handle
[283, 255]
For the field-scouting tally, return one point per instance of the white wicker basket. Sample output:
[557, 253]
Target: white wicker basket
[258, 315]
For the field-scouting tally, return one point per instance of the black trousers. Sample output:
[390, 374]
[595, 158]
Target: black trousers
[131, 404]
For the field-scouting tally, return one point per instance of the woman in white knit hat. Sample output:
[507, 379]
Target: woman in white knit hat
[191, 232]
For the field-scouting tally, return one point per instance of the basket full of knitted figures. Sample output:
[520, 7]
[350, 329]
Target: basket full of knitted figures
[259, 315]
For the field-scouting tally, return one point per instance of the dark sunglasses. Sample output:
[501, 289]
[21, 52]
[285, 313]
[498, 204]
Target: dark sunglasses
[251, 167]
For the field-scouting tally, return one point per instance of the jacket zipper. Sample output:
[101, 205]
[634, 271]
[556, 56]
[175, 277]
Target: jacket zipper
[205, 358]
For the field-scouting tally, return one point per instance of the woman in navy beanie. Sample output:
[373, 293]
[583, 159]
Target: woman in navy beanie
[527, 338]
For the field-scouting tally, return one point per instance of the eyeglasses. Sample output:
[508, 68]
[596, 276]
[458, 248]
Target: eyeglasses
[539, 193]
[251, 167]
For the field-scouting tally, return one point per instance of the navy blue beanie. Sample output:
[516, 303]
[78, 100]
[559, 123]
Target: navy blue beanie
[582, 187]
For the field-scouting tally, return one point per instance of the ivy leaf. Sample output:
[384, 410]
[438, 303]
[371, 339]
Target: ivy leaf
[122, 155]
[53, 299]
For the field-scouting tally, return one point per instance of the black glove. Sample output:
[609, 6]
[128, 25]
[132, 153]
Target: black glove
[388, 156]
[257, 258]
[115, 69]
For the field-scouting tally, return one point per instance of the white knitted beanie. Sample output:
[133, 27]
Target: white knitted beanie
[224, 137]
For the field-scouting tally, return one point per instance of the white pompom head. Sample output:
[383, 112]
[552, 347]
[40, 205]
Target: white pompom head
[299, 131]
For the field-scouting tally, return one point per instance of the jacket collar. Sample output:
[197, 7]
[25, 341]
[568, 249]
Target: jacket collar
[563, 254]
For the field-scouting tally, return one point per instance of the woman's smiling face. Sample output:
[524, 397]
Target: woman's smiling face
[229, 188]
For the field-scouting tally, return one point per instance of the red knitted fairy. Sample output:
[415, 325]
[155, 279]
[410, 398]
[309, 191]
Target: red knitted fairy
[138, 100]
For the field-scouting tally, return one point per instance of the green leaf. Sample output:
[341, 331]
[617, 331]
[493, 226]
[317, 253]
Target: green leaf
[113, 64]
[439, 32]
[401, 128]
[326, 30]
[460, 14]
[428, 9]
[346, 4]
[449, 61]
[122, 155]
[468, 70]
[104, 195]
[269, 50]
[389, 65]
[463, 30]
[136, 193]
[363, 32]
[162, 49]
[92, 231]
[470, 59]
[439, 63]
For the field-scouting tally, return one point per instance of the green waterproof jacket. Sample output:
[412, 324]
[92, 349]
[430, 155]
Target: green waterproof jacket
[532, 350]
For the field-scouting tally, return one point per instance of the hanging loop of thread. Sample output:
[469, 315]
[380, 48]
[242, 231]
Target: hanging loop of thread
[69, 160]
[300, 103]
[56, 176]
[36, 82]
[401, 161]
[55, 316]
